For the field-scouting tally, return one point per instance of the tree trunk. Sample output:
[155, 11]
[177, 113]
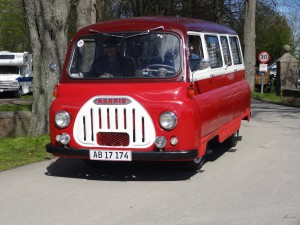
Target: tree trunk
[86, 13]
[219, 5]
[249, 41]
[100, 10]
[47, 21]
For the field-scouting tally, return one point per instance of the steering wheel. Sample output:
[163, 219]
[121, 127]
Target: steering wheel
[159, 70]
[106, 75]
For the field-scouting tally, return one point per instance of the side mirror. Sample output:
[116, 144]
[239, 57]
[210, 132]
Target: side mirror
[52, 67]
[204, 64]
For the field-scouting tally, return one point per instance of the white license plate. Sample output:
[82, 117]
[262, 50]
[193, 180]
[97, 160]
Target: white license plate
[110, 155]
[1, 90]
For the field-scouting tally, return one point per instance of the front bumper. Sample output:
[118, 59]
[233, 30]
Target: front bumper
[5, 89]
[145, 156]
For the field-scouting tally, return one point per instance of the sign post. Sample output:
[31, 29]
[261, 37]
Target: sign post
[263, 58]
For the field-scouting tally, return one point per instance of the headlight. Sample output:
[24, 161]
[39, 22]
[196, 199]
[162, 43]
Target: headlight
[15, 84]
[168, 120]
[62, 119]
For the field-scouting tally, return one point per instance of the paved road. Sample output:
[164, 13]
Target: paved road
[256, 183]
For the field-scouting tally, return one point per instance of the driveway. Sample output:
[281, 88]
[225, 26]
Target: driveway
[256, 183]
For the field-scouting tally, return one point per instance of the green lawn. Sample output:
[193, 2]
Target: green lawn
[15, 107]
[21, 151]
[273, 98]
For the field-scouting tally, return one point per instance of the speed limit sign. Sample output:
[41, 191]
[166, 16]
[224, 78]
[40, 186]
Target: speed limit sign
[263, 57]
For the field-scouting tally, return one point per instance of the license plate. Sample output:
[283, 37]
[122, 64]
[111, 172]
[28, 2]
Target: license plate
[110, 155]
[1, 90]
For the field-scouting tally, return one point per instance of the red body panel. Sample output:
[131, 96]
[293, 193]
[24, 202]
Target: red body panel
[153, 96]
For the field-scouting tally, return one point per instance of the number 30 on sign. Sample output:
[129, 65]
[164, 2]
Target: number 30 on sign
[263, 57]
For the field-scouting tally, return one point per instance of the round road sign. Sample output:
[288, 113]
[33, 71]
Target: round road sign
[263, 57]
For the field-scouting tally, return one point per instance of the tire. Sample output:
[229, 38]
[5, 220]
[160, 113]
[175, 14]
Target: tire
[19, 93]
[232, 140]
[196, 164]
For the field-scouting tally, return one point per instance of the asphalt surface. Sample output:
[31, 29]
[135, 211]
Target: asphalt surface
[256, 183]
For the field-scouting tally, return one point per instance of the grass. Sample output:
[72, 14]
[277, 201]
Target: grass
[273, 98]
[21, 151]
[16, 106]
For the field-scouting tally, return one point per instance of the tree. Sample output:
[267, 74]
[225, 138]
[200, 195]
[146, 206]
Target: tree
[48, 25]
[14, 33]
[86, 13]
[47, 21]
[249, 41]
[271, 24]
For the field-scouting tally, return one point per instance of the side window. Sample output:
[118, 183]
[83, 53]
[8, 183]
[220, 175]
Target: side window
[195, 52]
[226, 51]
[214, 51]
[235, 49]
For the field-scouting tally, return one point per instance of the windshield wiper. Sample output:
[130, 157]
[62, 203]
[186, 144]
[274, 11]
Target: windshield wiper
[146, 32]
[94, 31]
[125, 37]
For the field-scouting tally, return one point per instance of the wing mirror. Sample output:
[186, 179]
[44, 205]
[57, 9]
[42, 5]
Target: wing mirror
[52, 67]
[204, 64]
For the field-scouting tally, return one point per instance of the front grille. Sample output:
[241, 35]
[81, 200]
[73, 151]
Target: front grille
[109, 125]
[112, 139]
[7, 84]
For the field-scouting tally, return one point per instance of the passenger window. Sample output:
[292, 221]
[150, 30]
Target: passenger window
[235, 49]
[214, 51]
[226, 51]
[195, 52]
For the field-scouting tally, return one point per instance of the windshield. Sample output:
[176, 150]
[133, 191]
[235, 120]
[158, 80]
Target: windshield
[9, 70]
[126, 55]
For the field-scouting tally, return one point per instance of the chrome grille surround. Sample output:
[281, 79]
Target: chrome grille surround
[113, 114]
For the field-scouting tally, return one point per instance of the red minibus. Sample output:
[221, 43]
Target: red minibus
[150, 89]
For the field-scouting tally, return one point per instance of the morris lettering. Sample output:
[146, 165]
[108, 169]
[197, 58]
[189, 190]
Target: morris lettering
[111, 101]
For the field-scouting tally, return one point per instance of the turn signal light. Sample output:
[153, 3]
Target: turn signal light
[55, 91]
[191, 93]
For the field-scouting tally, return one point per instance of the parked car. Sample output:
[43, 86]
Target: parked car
[267, 82]
[273, 71]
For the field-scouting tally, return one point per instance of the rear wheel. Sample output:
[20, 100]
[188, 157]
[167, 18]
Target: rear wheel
[232, 140]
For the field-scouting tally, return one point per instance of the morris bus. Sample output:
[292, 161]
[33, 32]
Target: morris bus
[173, 86]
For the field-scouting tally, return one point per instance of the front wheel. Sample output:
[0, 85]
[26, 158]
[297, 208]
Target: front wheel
[19, 93]
[194, 165]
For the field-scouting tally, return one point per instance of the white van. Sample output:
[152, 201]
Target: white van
[16, 73]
